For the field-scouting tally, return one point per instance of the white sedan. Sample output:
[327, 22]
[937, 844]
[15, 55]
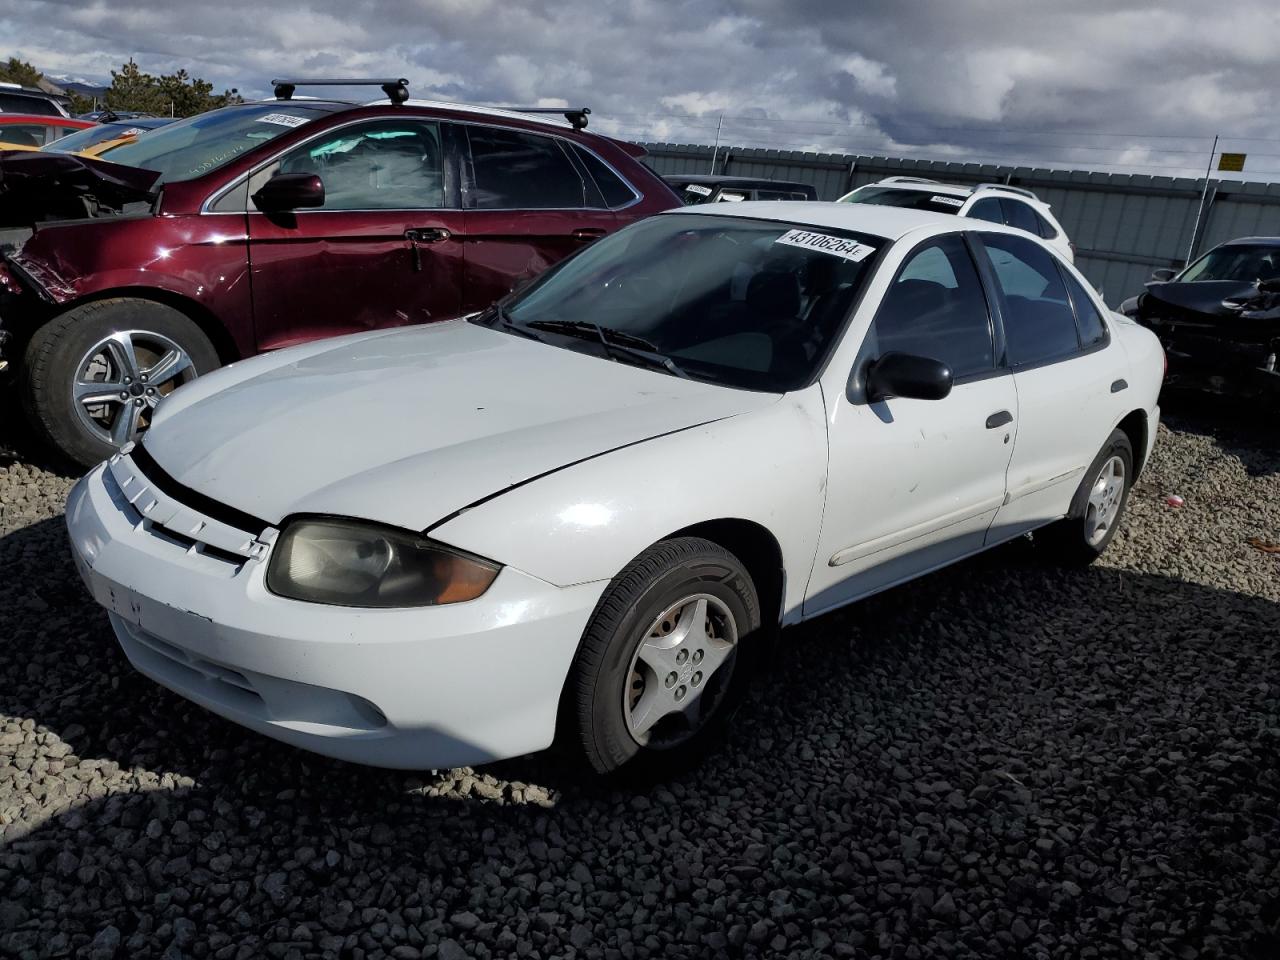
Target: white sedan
[589, 508]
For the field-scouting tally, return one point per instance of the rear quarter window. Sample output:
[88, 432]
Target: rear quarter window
[615, 191]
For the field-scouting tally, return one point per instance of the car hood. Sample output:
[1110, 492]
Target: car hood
[1202, 296]
[37, 186]
[410, 426]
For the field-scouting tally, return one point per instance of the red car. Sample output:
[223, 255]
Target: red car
[266, 224]
[31, 131]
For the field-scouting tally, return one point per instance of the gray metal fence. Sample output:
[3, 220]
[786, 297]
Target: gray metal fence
[1124, 225]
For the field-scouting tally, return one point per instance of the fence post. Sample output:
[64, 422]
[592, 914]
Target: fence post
[1204, 195]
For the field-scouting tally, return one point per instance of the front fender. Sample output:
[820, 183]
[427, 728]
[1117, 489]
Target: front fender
[586, 522]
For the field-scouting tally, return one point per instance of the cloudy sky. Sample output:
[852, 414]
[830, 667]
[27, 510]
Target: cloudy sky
[1107, 84]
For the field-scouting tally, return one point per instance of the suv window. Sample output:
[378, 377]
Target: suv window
[1018, 214]
[17, 103]
[615, 190]
[988, 209]
[1088, 319]
[1039, 323]
[1047, 229]
[374, 166]
[936, 308]
[515, 170]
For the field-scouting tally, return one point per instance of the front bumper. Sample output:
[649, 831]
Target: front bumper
[433, 687]
[1198, 358]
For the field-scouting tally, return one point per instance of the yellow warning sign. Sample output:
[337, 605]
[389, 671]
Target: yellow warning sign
[1231, 161]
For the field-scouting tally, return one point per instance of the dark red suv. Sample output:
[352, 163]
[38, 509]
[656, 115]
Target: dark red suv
[266, 224]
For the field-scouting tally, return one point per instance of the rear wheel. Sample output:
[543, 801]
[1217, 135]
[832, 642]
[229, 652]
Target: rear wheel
[1097, 507]
[93, 375]
[665, 658]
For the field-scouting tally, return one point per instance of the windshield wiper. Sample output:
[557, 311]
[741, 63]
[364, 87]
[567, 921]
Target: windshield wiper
[615, 342]
[504, 320]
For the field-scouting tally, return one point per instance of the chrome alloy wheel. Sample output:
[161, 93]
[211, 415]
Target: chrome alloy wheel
[122, 377]
[1104, 501]
[680, 671]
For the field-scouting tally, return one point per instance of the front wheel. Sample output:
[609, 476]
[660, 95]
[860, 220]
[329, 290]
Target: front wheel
[1096, 510]
[666, 656]
[93, 375]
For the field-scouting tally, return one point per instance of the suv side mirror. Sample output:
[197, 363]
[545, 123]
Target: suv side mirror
[1163, 275]
[906, 375]
[290, 191]
[1269, 286]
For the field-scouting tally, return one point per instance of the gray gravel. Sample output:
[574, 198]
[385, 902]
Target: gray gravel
[1001, 760]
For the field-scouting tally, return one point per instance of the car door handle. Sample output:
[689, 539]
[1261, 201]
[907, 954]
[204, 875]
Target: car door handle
[427, 235]
[589, 233]
[999, 419]
[424, 235]
[1119, 385]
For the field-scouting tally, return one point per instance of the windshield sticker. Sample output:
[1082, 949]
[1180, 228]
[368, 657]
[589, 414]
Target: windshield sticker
[732, 197]
[697, 188]
[836, 246]
[283, 119]
[949, 201]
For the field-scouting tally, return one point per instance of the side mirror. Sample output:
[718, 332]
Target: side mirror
[290, 191]
[1163, 275]
[906, 375]
[1269, 286]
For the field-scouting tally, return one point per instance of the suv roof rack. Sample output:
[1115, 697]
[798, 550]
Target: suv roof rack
[577, 116]
[910, 180]
[397, 91]
[1005, 187]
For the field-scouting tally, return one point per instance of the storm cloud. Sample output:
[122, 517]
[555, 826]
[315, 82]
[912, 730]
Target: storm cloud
[1111, 85]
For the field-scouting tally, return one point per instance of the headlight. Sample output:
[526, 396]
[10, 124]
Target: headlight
[357, 564]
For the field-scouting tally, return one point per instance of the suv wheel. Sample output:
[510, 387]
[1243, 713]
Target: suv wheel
[666, 657]
[93, 375]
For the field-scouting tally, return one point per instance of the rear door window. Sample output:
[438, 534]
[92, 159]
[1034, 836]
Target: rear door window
[26, 134]
[936, 308]
[988, 209]
[514, 170]
[1018, 214]
[1040, 325]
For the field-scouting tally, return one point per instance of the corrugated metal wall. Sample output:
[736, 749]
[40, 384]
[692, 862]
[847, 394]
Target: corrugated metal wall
[1124, 225]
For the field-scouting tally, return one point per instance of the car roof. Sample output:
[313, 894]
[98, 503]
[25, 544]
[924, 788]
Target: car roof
[731, 181]
[923, 186]
[892, 223]
[1252, 242]
[549, 119]
[48, 118]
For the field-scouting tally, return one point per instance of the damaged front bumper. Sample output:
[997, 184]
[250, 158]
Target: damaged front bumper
[1200, 359]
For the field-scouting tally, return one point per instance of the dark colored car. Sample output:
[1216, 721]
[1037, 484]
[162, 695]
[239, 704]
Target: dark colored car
[695, 188]
[266, 224]
[1219, 319]
[16, 98]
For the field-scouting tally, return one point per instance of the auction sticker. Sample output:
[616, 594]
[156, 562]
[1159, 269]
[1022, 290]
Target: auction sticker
[283, 119]
[949, 201]
[697, 188]
[836, 246]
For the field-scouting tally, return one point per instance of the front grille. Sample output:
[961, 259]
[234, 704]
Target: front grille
[152, 510]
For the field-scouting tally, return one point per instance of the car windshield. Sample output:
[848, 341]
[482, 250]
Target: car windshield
[754, 304]
[1235, 262]
[192, 147]
[83, 139]
[923, 199]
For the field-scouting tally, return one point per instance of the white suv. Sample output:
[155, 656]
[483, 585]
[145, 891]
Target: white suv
[994, 202]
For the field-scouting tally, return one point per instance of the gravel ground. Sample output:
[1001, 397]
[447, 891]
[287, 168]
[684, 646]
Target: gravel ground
[1003, 759]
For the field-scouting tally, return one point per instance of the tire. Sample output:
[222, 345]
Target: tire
[64, 348]
[1078, 539]
[651, 599]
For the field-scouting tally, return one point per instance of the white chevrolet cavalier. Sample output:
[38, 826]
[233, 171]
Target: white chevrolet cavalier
[590, 507]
